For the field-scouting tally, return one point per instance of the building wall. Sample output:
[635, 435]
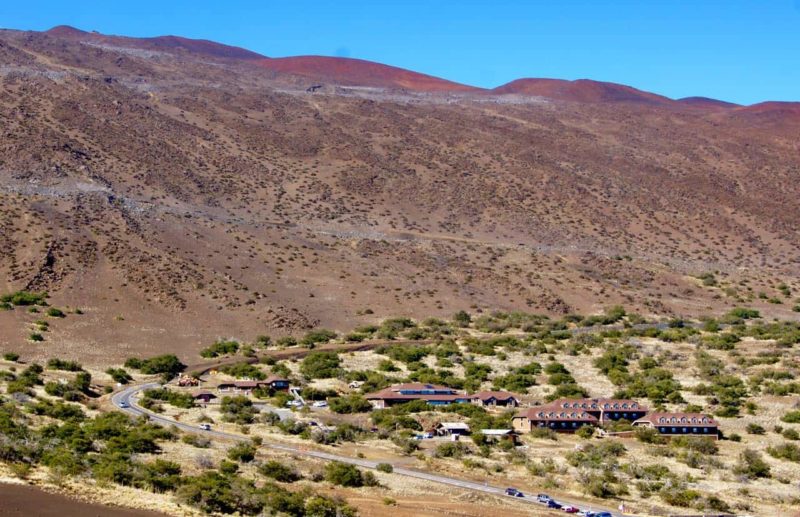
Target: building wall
[521, 424]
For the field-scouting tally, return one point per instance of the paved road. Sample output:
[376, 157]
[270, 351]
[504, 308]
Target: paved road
[127, 397]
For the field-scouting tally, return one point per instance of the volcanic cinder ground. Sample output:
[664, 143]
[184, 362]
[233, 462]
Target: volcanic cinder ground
[178, 191]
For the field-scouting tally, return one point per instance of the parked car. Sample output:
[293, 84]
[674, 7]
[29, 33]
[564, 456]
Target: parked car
[603, 514]
[513, 492]
[320, 403]
[571, 509]
[554, 505]
[543, 498]
[586, 513]
[205, 427]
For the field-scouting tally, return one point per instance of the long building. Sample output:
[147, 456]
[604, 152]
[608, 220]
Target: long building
[431, 393]
[570, 414]
[680, 424]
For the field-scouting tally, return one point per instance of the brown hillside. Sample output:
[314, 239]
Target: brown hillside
[581, 90]
[357, 72]
[177, 197]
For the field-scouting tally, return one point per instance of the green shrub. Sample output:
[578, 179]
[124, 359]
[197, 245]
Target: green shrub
[119, 375]
[239, 410]
[792, 417]
[349, 404]
[785, 451]
[24, 298]
[318, 336]
[36, 337]
[221, 347]
[177, 399]
[11, 356]
[278, 471]
[347, 475]
[462, 319]
[242, 452]
[752, 465]
[243, 370]
[385, 467]
[321, 365]
[455, 450]
[55, 313]
[167, 365]
[61, 364]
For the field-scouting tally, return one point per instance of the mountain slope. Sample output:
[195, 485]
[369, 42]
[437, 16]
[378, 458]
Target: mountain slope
[178, 197]
[357, 72]
[581, 90]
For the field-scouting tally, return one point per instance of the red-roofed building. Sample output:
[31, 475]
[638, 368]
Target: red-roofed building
[680, 424]
[495, 398]
[431, 393]
[570, 414]
[604, 409]
[552, 417]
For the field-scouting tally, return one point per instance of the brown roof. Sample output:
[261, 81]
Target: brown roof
[599, 404]
[550, 413]
[243, 384]
[275, 378]
[393, 393]
[499, 395]
[679, 419]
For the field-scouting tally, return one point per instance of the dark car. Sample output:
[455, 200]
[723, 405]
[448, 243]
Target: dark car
[554, 505]
[513, 492]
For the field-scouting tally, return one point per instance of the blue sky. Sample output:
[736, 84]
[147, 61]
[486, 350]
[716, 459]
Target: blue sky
[740, 51]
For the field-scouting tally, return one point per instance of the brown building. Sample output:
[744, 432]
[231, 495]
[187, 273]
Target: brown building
[552, 417]
[604, 409]
[680, 424]
[247, 387]
[431, 393]
[495, 398]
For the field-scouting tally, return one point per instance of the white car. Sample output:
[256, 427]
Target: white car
[205, 427]
[123, 405]
[320, 403]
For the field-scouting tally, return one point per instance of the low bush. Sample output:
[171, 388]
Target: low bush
[279, 472]
[347, 475]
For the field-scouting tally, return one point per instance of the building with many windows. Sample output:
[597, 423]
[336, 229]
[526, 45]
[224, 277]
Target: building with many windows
[680, 424]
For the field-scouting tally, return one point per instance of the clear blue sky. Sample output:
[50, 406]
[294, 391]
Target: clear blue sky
[740, 51]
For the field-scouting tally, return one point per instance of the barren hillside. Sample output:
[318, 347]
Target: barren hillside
[177, 191]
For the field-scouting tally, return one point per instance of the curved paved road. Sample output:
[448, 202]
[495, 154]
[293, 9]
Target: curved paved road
[126, 398]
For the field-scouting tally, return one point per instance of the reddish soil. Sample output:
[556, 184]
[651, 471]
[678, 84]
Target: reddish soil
[178, 197]
[357, 72]
[582, 90]
[706, 103]
[28, 501]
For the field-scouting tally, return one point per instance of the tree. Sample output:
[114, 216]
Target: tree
[462, 319]
[242, 452]
[320, 365]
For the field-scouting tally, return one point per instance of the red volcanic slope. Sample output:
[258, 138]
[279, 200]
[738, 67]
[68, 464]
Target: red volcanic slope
[705, 102]
[773, 107]
[357, 72]
[582, 90]
[163, 43]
